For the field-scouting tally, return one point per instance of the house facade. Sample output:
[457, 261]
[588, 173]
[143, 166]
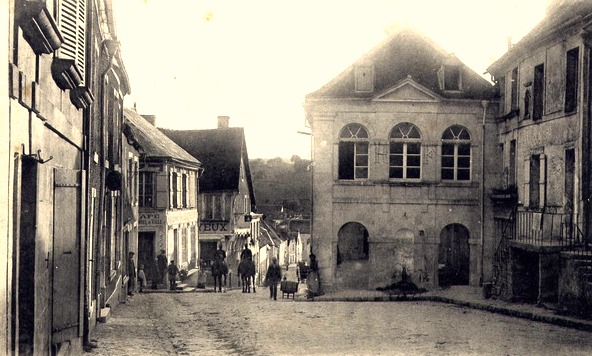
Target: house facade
[543, 222]
[398, 157]
[167, 197]
[226, 195]
[66, 84]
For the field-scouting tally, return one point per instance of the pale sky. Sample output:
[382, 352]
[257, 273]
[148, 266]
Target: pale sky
[190, 61]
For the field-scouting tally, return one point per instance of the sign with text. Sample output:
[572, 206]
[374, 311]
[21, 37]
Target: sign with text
[150, 219]
[214, 226]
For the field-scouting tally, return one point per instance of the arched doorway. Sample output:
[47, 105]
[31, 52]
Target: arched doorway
[454, 256]
[353, 253]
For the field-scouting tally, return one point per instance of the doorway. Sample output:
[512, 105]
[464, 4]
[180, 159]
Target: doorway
[146, 255]
[454, 256]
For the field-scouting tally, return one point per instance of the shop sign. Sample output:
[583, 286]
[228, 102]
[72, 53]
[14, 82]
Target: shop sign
[150, 219]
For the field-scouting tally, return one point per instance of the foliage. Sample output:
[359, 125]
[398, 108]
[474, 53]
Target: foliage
[278, 182]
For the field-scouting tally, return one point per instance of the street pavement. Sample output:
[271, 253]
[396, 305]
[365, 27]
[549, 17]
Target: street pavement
[456, 321]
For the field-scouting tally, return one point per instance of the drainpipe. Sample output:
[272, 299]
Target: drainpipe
[484, 104]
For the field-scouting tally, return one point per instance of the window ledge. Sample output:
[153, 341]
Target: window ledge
[39, 28]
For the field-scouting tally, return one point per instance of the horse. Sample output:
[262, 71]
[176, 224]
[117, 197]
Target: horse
[246, 269]
[219, 270]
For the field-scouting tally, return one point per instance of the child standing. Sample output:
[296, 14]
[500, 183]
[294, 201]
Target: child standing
[173, 271]
[141, 279]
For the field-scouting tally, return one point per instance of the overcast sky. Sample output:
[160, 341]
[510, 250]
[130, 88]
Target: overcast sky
[190, 61]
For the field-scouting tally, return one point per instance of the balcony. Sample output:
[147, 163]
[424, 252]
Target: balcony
[546, 230]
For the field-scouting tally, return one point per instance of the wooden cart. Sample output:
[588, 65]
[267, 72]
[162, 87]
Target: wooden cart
[289, 287]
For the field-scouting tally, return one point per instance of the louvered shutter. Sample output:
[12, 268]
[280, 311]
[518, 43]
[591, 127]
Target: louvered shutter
[542, 180]
[162, 196]
[72, 22]
[526, 192]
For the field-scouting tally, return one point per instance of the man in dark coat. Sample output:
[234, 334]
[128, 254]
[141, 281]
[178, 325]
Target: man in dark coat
[246, 253]
[161, 266]
[273, 277]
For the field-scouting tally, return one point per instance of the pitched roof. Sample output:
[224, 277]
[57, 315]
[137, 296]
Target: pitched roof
[153, 144]
[268, 235]
[405, 54]
[568, 13]
[220, 151]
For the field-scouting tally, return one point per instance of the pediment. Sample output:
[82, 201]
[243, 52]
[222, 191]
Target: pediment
[407, 90]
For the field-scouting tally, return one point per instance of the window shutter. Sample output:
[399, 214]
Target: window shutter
[171, 190]
[162, 197]
[72, 22]
[543, 180]
[526, 192]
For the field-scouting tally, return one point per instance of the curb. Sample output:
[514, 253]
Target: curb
[555, 320]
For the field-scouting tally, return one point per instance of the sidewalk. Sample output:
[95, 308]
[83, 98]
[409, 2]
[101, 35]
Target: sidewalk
[466, 296]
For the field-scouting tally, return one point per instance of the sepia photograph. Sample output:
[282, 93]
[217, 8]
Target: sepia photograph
[278, 177]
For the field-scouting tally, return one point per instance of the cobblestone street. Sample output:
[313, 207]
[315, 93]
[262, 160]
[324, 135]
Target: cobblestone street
[251, 324]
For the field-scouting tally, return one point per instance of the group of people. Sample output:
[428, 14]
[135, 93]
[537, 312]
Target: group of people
[170, 271]
[164, 271]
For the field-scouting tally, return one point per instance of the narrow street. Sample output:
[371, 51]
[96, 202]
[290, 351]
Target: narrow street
[251, 324]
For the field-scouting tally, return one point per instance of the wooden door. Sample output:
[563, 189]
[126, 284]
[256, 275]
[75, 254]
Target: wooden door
[67, 293]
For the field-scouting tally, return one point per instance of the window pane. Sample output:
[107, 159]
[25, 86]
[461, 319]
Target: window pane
[361, 172]
[464, 174]
[413, 161]
[447, 149]
[396, 160]
[396, 172]
[447, 174]
[396, 147]
[464, 150]
[413, 173]
[362, 147]
[464, 162]
[448, 162]
[413, 148]
[361, 160]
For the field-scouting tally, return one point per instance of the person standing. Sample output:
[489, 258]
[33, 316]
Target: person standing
[141, 279]
[131, 273]
[273, 277]
[173, 271]
[161, 267]
[313, 280]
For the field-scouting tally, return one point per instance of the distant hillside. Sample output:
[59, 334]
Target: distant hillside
[278, 182]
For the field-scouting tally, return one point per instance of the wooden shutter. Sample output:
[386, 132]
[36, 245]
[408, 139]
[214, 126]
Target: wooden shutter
[72, 23]
[162, 195]
[526, 192]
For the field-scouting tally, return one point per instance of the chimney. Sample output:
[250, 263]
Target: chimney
[223, 122]
[150, 118]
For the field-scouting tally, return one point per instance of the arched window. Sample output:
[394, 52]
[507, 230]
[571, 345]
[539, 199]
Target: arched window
[353, 152]
[405, 152]
[456, 154]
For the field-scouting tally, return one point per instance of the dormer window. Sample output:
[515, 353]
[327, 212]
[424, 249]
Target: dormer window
[450, 77]
[364, 78]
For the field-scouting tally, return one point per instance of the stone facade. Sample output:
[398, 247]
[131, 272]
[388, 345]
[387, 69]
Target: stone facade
[396, 211]
[544, 132]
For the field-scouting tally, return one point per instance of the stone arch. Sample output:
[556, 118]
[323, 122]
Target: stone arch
[352, 243]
